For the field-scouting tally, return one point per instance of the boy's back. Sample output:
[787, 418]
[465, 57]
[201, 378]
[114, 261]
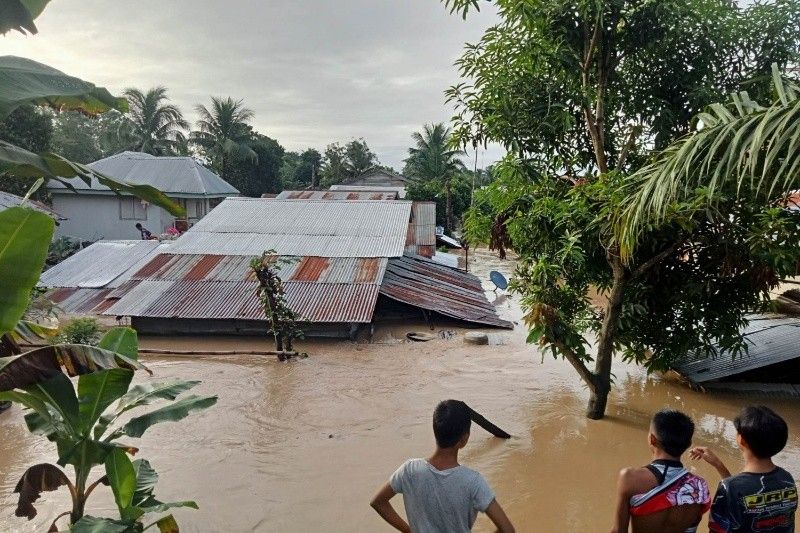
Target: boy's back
[441, 500]
[755, 502]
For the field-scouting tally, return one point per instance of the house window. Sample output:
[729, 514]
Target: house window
[131, 208]
[201, 208]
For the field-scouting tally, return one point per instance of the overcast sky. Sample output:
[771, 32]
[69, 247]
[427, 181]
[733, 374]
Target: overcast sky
[313, 71]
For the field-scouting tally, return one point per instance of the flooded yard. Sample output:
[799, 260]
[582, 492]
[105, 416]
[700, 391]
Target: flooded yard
[303, 445]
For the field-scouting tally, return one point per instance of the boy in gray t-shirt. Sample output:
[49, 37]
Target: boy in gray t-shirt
[440, 495]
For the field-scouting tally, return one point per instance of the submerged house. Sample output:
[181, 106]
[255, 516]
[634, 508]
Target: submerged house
[96, 212]
[350, 263]
[771, 365]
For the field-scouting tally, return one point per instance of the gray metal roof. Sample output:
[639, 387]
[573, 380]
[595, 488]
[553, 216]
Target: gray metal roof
[174, 176]
[377, 171]
[248, 226]
[12, 200]
[771, 340]
[104, 264]
[401, 191]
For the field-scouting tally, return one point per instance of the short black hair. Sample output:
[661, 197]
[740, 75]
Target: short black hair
[451, 421]
[673, 430]
[762, 429]
[138, 225]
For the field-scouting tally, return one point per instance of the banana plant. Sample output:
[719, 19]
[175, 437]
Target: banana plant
[91, 424]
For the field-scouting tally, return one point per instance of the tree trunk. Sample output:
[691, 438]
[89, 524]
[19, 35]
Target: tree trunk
[448, 206]
[605, 347]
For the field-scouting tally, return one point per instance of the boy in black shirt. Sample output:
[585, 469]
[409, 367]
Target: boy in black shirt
[764, 496]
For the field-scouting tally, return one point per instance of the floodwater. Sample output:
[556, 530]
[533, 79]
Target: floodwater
[303, 445]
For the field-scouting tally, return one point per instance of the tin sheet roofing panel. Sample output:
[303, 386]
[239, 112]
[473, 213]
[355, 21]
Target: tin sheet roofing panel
[423, 283]
[400, 191]
[248, 226]
[215, 300]
[103, 264]
[12, 200]
[771, 340]
[338, 195]
[80, 301]
[171, 175]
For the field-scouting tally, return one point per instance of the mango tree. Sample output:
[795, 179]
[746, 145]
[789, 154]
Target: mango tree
[579, 93]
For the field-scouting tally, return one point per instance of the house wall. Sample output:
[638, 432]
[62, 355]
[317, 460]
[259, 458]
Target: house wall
[93, 217]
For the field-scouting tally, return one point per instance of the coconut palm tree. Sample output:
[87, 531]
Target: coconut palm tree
[744, 150]
[223, 132]
[434, 159]
[156, 125]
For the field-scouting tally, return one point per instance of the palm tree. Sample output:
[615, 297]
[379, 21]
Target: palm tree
[434, 159]
[223, 132]
[744, 150]
[156, 125]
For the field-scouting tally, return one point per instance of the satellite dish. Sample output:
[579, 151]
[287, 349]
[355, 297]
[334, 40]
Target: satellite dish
[499, 280]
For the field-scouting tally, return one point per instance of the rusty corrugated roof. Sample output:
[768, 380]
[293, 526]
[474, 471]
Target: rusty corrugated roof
[80, 301]
[319, 289]
[218, 300]
[420, 282]
[339, 195]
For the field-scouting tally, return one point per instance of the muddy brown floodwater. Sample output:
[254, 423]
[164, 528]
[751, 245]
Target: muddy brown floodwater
[303, 445]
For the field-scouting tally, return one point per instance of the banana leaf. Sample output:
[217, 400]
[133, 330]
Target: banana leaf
[42, 364]
[29, 82]
[24, 238]
[19, 15]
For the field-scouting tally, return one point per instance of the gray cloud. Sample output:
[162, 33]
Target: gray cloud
[314, 71]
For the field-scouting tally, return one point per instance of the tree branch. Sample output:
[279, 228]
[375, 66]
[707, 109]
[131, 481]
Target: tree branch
[632, 136]
[576, 362]
[653, 261]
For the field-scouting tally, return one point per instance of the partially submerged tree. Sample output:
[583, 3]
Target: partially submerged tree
[578, 93]
[283, 322]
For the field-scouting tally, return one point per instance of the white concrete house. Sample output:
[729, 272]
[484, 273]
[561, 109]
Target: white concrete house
[97, 212]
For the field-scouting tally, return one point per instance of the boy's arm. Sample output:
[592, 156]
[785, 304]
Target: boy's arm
[384, 508]
[622, 515]
[704, 453]
[498, 516]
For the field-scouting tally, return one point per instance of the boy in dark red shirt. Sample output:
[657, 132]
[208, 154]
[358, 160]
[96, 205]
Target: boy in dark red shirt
[764, 496]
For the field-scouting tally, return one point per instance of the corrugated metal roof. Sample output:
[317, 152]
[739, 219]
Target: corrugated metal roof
[220, 300]
[174, 267]
[12, 200]
[423, 224]
[104, 264]
[248, 226]
[424, 283]
[378, 171]
[400, 191]
[80, 301]
[338, 195]
[175, 176]
[771, 340]
[319, 289]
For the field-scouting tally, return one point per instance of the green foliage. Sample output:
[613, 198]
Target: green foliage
[31, 129]
[24, 237]
[157, 127]
[299, 170]
[343, 163]
[19, 15]
[254, 177]
[85, 139]
[85, 330]
[579, 92]
[60, 249]
[223, 133]
[433, 191]
[85, 426]
[433, 160]
[744, 151]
